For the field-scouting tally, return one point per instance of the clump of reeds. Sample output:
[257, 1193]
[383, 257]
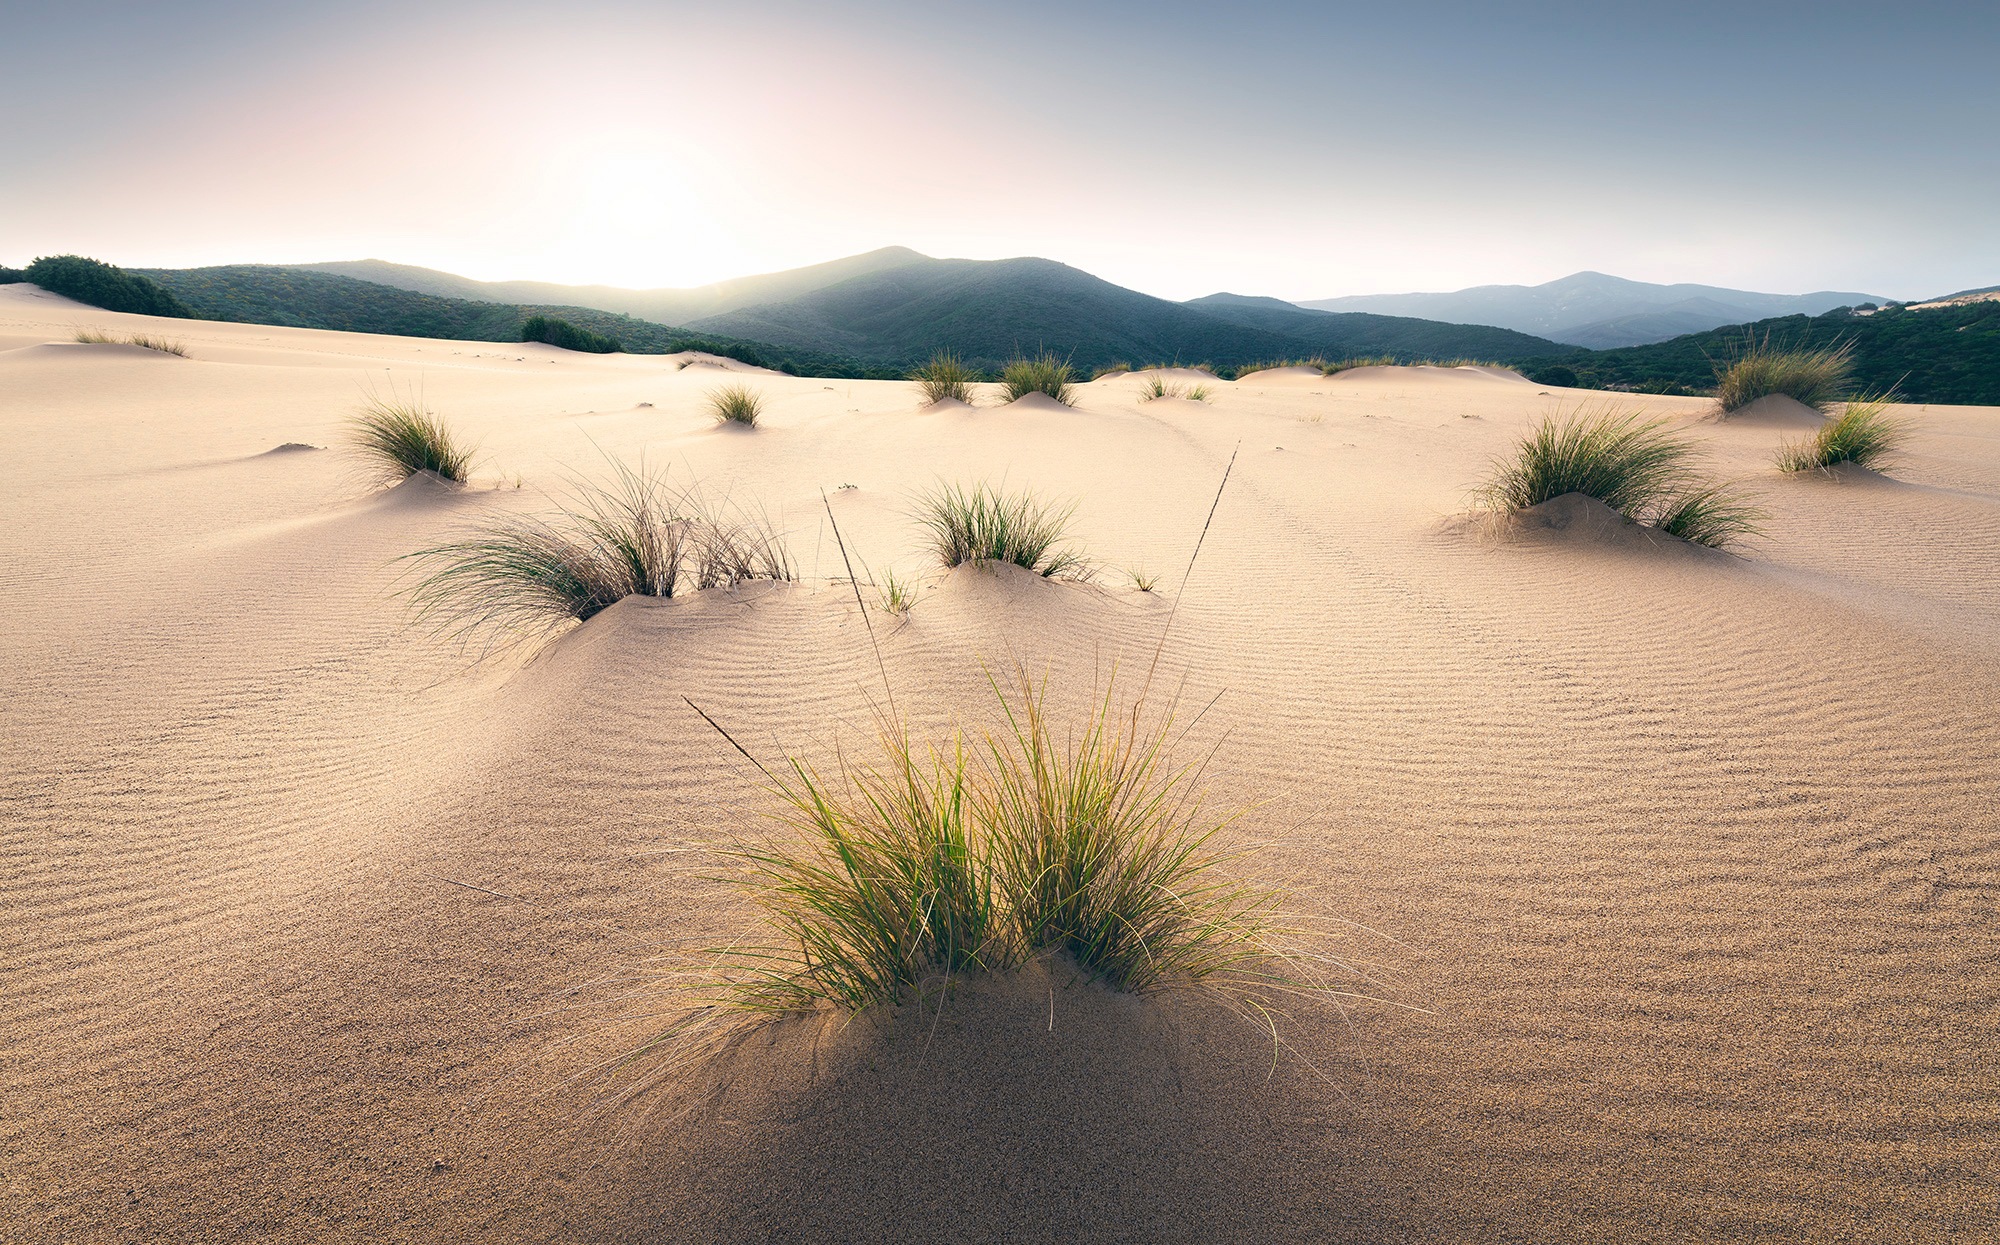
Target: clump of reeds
[983, 524]
[637, 536]
[401, 438]
[1816, 377]
[736, 404]
[945, 377]
[1046, 374]
[1636, 466]
[98, 337]
[1864, 434]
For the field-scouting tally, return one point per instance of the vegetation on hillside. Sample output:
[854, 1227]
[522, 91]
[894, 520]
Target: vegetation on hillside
[12, 276]
[103, 285]
[558, 332]
[1943, 354]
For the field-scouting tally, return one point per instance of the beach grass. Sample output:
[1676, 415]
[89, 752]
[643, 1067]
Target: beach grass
[1045, 374]
[985, 524]
[1863, 434]
[98, 337]
[1155, 386]
[638, 535]
[736, 404]
[1716, 515]
[401, 438]
[945, 377]
[1817, 377]
[895, 594]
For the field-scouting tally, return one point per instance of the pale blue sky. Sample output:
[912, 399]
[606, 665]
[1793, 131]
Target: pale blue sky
[1301, 150]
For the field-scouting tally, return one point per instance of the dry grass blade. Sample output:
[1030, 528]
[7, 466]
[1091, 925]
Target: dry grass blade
[401, 438]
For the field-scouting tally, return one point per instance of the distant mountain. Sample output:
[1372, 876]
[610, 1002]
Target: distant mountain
[990, 310]
[665, 306]
[303, 298]
[1948, 353]
[1598, 311]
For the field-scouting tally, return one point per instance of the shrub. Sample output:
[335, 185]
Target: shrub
[1336, 366]
[982, 524]
[1554, 375]
[1817, 377]
[103, 285]
[945, 377]
[1043, 374]
[638, 536]
[1863, 434]
[568, 336]
[1633, 465]
[736, 404]
[402, 438]
[12, 276]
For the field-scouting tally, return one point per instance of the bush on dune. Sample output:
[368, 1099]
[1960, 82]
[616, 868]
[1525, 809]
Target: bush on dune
[401, 438]
[104, 285]
[736, 404]
[1817, 377]
[556, 332]
[1864, 434]
[1633, 465]
[637, 536]
[1044, 374]
[12, 276]
[983, 524]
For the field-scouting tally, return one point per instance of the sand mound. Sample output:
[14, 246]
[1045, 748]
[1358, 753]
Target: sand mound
[944, 406]
[1577, 517]
[1776, 410]
[1037, 402]
[293, 447]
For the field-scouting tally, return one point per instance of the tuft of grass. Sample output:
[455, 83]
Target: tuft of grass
[1333, 367]
[897, 595]
[1819, 378]
[637, 536]
[1634, 465]
[1043, 374]
[1142, 579]
[944, 377]
[1197, 393]
[983, 524]
[98, 337]
[1863, 434]
[736, 404]
[402, 438]
[1155, 386]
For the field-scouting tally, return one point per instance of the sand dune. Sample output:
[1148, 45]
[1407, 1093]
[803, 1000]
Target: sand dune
[1684, 865]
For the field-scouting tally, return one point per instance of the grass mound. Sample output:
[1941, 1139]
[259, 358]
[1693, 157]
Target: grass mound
[1156, 386]
[1633, 465]
[945, 378]
[1863, 434]
[401, 438]
[637, 536]
[1817, 377]
[889, 880]
[736, 404]
[983, 524]
[98, 337]
[1045, 374]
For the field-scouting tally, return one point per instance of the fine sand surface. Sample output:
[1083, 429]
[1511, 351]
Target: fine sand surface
[1684, 868]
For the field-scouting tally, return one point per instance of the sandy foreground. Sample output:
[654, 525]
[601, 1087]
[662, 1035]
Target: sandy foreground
[1684, 867]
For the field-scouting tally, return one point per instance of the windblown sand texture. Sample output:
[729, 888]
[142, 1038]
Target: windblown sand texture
[1691, 862]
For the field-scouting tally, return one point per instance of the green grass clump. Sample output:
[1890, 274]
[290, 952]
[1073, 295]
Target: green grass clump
[1156, 386]
[1817, 377]
[983, 524]
[637, 536]
[1045, 374]
[98, 337]
[945, 377]
[897, 594]
[736, 404]
[1863, 434]
[1633, 465]
[401, 438]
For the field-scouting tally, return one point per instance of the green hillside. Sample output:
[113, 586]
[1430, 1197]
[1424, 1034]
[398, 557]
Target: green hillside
[1353, 334]
[265, 294]
[1943, 354]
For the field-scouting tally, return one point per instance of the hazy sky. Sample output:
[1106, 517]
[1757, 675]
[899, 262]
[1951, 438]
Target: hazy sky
[1297, 149]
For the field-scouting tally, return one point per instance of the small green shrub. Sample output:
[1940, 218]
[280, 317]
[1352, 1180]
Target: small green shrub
[401, 438]
[736, 404]
[104, 285]
[1045, 374]
[1864, 434]
[555, 332]
[945, 377]
[1554, 375]
[12, 276]
[1817, 377]
[982, 524]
